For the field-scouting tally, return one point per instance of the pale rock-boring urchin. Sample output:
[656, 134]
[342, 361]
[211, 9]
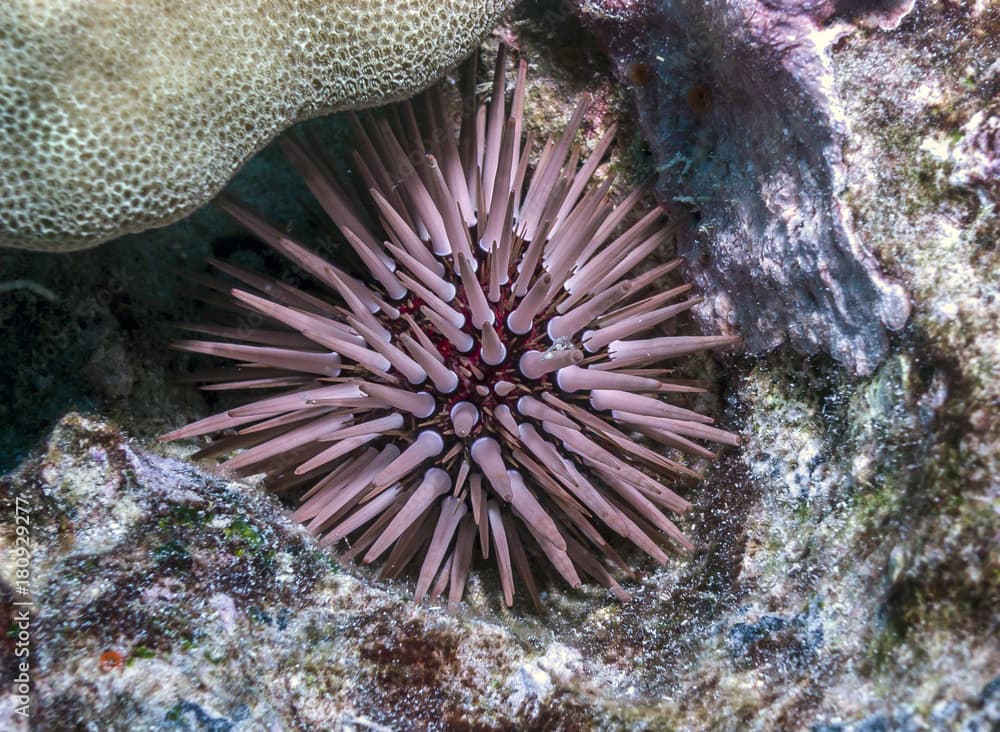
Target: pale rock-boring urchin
[486, 381]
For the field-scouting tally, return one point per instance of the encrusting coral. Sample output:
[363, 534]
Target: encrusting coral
[119, 117]
[491, 379]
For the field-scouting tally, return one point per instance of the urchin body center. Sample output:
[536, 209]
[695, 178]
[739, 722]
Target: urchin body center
[492, 372]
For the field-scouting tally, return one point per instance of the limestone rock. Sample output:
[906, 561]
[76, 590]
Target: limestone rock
[739, 103]
[118, 117]
[157, 595]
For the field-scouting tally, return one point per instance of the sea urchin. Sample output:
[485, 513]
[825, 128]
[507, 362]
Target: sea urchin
[480, 381]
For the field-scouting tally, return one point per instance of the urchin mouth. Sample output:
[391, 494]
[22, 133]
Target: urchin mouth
[482, 383]
[495, 374]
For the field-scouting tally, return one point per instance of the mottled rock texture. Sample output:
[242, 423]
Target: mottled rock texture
[739, 103]
[117, 117]
[163, 597]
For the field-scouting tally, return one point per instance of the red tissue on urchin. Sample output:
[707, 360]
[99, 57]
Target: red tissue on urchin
[486, 380]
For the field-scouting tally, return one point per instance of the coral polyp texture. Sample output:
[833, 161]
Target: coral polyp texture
[118, 117]
[489, 379]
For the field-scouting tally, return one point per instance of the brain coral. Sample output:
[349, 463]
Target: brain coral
[117, 117]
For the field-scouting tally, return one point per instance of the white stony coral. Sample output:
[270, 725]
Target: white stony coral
[489, 380]
[120, 116]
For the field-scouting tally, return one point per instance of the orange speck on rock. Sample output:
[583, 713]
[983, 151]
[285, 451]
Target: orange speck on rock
[111, 660]
[639, 74]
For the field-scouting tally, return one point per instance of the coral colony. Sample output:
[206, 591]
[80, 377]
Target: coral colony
[489, 381]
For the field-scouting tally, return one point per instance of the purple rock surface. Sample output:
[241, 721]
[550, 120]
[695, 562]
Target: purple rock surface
[738, 102]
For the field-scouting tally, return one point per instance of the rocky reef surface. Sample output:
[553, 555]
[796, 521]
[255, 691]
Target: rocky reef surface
[755, 111]
[848, 570]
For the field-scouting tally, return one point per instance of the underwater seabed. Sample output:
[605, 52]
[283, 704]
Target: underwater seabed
[847, 571]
